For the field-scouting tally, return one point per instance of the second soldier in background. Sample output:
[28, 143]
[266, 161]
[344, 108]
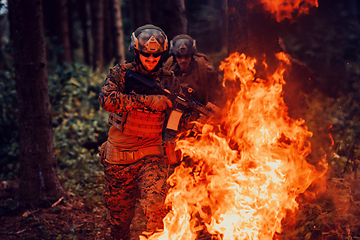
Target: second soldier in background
[193, 69]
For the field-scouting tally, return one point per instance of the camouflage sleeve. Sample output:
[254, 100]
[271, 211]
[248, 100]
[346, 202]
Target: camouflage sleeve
[112, 97]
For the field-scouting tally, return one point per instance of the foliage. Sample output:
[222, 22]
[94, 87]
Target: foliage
[9, 146]
[330, 47]
[331, 213]
[335, 124]
[80, 126]
[206, 25]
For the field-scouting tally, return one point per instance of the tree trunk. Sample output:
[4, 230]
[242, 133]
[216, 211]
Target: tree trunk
[170, 16]
[51, 28]
[64, 32]
[134, 14]
[56, 26]
[70, 24]
[82, 8]
[1, 43]
[225, 28]
[140, 12]
[98, 34]
[146, 13]
[182, 15]
[251, 30]
[108, 33]
[118, 32]
[51, 18]
[38, 171]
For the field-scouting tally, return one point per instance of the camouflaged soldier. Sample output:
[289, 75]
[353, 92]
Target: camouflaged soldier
[193, 69]
[133, 155]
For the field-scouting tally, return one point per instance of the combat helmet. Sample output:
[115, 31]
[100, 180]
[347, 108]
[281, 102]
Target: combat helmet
[182, 45]
[149, 39]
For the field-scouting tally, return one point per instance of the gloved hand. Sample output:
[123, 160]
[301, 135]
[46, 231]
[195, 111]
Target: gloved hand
[157, 102]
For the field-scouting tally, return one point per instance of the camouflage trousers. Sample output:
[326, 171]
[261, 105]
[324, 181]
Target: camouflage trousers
[123, 183]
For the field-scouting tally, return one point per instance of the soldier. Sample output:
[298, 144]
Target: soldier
[133, 155]
[193, 69]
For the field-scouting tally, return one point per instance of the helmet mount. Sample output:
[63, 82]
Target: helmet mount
[149, 39]
[152, 45]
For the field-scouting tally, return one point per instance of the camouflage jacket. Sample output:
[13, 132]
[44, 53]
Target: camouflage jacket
[112, 97]
[114, 100]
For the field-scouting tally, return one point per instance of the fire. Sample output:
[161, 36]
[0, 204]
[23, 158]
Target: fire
[247, 171]
[284, 8]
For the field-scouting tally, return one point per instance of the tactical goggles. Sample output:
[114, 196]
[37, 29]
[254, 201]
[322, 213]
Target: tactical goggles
[155, 55]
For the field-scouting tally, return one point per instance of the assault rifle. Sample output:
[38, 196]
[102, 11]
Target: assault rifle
[181, 103]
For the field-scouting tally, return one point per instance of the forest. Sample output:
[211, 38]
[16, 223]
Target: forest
[55, 55]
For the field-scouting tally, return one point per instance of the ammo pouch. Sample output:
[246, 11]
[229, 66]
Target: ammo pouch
[114, 155]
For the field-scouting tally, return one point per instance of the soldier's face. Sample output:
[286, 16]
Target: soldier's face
[183, 61]
[149, 62]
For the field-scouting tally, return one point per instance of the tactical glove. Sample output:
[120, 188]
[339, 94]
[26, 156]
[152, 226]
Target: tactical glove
[157, 102]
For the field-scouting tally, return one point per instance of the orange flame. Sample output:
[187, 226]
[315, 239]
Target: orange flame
[284, 8]
[248, 172]
[331, 137]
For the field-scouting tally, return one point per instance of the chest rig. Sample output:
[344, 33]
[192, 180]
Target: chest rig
[138, 122]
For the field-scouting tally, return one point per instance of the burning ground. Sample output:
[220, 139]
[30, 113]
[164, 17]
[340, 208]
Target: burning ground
[248, 169]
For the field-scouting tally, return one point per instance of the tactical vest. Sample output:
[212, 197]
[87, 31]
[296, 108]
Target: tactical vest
[197, 79]
[139, 122]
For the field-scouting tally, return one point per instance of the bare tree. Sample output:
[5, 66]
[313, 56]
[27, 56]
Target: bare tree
[140, 12]
[108, 33]
[170, 16]
[70, 25]
[38, 170]
[83, 15]
[225, 28]
[145, 11]
[1, 34]
[134, 14]
[252, 31]
[56, 26]
[64, 33]
[98, 34]
[118, 32]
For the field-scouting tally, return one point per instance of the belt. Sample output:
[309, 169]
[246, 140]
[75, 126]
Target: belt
[115, 156]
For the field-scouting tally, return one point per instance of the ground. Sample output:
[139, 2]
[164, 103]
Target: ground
[69, 219]
[336, 212]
